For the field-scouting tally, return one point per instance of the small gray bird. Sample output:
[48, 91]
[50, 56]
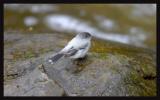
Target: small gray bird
[76, 48]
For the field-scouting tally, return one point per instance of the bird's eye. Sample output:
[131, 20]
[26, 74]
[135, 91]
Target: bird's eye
[87, 35]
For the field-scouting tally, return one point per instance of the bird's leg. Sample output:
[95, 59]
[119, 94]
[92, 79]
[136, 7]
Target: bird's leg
[81, 61]
[84, 58]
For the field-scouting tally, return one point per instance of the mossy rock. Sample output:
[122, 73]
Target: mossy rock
[110, 69]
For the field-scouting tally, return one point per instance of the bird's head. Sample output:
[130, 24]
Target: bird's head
[84, 35]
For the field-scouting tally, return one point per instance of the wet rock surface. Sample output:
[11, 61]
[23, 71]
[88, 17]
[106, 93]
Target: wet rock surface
[108, 73]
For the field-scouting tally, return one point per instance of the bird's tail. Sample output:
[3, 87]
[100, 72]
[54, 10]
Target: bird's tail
[55, 58]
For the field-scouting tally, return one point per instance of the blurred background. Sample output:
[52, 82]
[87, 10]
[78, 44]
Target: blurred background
[133, 24]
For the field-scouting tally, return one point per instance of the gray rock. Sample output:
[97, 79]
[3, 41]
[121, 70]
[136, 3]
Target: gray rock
[32, 83]
[110, 69]
[112, 76]
[103, 74]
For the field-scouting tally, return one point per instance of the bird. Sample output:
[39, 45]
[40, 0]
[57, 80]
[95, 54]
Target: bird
[75, 49]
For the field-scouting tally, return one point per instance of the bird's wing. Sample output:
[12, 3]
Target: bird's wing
[72, 51]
